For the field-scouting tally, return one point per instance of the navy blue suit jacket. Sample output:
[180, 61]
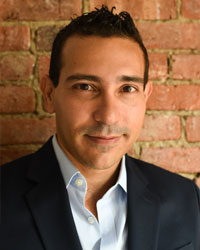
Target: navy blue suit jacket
[163, 208]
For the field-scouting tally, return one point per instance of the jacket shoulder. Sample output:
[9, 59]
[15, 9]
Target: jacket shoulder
[23, 162]
[16, 166]
[163, 181]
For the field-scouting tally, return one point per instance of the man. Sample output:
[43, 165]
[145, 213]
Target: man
[80, 191]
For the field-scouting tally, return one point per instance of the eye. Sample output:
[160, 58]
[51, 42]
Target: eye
[129, 89]
[84, 86]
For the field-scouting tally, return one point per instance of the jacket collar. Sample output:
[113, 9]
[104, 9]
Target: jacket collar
[49, 203]
[143, 209]
[53, 216]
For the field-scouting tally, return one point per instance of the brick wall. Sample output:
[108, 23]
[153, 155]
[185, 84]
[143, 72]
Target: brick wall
[171, 32]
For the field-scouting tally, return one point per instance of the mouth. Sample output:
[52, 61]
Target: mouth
[104, 140]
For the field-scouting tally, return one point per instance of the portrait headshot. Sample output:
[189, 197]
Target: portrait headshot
[100, 125]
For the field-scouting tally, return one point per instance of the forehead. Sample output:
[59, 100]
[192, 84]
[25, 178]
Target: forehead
[94, 52]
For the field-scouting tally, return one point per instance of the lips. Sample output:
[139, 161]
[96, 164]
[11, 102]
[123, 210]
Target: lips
[104, 139]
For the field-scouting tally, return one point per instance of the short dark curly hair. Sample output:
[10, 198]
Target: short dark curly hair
[100, 22]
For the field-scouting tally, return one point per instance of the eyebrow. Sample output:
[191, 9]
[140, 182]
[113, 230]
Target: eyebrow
[123, 78]
[137, 79]
[77, 77]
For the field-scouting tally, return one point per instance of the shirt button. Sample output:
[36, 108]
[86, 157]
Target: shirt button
[91, 220]
[79, 182]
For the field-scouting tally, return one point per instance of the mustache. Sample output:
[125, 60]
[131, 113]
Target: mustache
[105, 130]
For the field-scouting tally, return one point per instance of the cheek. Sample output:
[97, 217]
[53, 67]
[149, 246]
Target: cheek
[71, 113]
[136, 117]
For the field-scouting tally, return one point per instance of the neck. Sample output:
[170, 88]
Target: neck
[99, 181]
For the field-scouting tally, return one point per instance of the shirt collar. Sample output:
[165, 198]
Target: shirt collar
[122, 179]
[68, 170]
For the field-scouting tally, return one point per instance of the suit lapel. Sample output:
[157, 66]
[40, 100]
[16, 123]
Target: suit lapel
[49, 203]
[143, 210]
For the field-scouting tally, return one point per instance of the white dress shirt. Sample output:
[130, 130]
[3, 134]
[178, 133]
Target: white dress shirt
[110, 231]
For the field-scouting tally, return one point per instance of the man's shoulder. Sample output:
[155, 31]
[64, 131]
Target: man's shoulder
[163, 181]
[18, 164]
[13, 175]
[152, 171]
[19, 167]
[23, 161]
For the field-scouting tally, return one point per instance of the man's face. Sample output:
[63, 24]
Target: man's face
[99, 101]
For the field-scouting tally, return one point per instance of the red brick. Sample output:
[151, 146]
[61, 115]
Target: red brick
[179, 97]
[39, 10]
[186, 66]
[197, 181]
[170, 35]
[7, 155]
[26, 130]
[16, 99]
[151, 9]
[28, 10]
[193, 128]
[191, 9]
[70, 8]
[160, 128]
[14, 38]
[45, 37]
[180, 160]
[16, 67]
[158, 66]
[44, 62]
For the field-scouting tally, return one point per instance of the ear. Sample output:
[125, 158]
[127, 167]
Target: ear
[148, 90]
[48, 90]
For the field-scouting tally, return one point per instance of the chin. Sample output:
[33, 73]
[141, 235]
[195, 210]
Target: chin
[102, 161]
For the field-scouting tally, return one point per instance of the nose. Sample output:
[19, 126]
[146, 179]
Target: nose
[107, 109]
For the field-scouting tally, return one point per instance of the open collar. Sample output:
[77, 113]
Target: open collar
[49, 204]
